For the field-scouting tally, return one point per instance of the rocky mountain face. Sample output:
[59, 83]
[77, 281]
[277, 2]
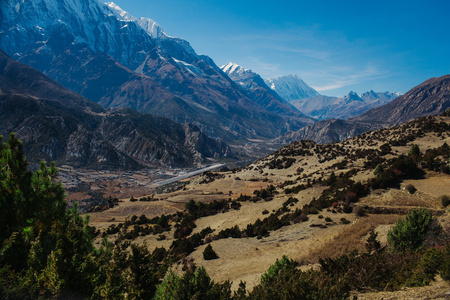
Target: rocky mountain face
[325, 107]
[291, 87]
[326, 131]
[256, 88]
[57, 124]
[429, 98]
[117, 60]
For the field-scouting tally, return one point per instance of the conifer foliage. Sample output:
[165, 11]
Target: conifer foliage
[47, 251]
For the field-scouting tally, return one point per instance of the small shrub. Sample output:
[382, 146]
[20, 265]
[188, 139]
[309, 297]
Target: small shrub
[359, 211]
[328, 219]
[265, 212]
[372, 243]
[303, 217]
[345, 221]
[410, 233]
[351, 197]
[378, 170]
[209, 253]
[410, 188]
[414, 151]
[445, 200]
[281, 268]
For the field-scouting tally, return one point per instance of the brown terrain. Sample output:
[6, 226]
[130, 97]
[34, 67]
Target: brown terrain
[325, 234]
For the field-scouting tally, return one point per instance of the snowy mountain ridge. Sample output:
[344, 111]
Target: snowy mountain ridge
[150, 26]
[104, 27]
[117, 60]
[235, 69]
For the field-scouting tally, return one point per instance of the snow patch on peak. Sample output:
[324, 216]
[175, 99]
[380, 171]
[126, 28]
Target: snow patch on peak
[191, 68]
[150, 26]
[234, 69]
[120, 13]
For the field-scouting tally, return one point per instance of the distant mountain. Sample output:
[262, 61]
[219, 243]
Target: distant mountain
[117, 60]
[429, 98]
[255, 88]
[351, 105]
[291, 87]
[57, 124]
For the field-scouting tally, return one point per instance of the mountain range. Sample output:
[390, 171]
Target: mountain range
[57, 124]
[135, 72]
[324, 107]
[116, 60]
[429, 98]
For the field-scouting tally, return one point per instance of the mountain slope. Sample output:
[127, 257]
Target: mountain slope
[81, 43]
[429, 98]
[291, 87]
[57, 124]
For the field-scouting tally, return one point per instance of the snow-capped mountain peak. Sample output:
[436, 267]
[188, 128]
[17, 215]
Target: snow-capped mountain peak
[291, 87]
[120, 13]
[234, 69]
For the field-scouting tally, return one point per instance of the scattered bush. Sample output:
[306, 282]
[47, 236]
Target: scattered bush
[445, 200]
[359, 211]
[414, 151]
[209, 253]
[410, 188]
[345, 221]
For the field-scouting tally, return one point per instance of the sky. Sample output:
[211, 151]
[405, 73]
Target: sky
[335, 46]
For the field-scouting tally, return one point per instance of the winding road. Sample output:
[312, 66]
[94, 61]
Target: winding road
[187, 175]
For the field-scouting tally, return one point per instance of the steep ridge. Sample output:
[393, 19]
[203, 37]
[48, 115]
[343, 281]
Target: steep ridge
[57, 124]
[81, 43]
[429, 98]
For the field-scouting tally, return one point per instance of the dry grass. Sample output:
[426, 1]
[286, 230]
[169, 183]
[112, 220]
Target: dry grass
[247, 258]
[438, 289]
[350, 237]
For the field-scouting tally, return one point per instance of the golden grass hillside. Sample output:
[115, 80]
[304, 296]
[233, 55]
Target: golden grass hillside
[289, 185]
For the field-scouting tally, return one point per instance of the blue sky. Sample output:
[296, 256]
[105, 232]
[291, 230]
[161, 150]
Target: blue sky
[334, 46]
